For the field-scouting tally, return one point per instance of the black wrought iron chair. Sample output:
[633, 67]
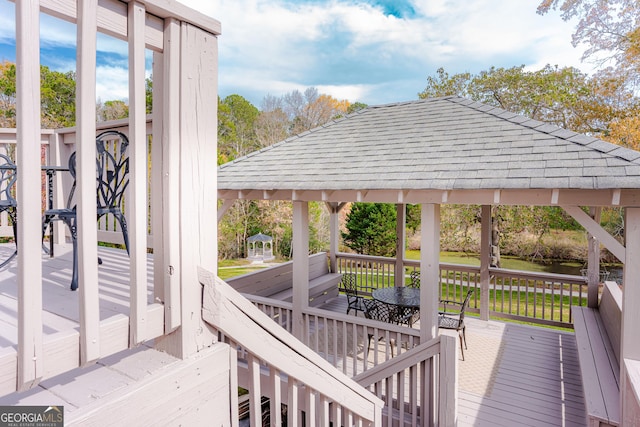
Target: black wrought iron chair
[377, 310]
[112, 179]
[415, 279]
[454, 318]
[8, 203]
[354, 300]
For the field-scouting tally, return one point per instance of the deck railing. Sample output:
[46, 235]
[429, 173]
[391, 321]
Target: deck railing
[273, 364]
[542, 298]
[387, 359]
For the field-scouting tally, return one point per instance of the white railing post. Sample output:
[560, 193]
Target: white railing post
[448, 381]
[485, 261]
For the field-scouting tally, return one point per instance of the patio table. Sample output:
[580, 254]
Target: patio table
[406, 299]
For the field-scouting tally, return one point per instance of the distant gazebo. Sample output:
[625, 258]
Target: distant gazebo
[260, 248]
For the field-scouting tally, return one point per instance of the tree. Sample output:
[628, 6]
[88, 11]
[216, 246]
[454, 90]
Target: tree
[371, 229]
[112, 110]
[57, 97]
[236, 128]
[564, 97]
[608, 27]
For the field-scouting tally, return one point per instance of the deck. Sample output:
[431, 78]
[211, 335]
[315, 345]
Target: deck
[513, 374]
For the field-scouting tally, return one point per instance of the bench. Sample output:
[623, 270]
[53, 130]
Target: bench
[597, 332]
[277, 282]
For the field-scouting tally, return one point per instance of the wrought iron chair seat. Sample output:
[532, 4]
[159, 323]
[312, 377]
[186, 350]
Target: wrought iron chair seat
[454, 320]
[8, 203]
[111, 182]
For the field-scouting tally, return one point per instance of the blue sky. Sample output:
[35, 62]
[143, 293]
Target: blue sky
[371, 51]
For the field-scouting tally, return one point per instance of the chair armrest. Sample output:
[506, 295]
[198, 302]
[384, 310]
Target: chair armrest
[446, 301]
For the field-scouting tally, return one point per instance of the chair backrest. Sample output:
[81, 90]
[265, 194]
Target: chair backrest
[415, 279]
[112, 169]
[349, 285]
[465, 304]
[376, 310]
[7, 180]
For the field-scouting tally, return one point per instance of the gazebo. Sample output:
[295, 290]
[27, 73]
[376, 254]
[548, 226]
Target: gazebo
[260, 247]
[451, 150]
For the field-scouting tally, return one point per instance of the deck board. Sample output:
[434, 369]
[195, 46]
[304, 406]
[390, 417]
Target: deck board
[535, 381]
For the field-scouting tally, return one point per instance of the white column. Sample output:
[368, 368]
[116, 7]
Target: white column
[593, 262]
[334, 234]
[429, 271]
[300, 266]
[485, 261]
[400, 243]
[630, 344]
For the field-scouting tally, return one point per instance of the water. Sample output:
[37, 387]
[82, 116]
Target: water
[615, 272]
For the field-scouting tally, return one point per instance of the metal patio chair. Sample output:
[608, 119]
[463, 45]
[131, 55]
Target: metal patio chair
[112, 179]
[454, 320]
[8, 203]
[415, 279]
[354, 301]
[383, 312]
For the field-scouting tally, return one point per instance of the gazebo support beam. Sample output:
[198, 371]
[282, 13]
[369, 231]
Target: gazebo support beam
[300, 265]
[593, 262]
[485, 260]
[429, 271]
[400, 243]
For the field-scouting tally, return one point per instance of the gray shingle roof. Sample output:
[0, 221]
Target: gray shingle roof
[447, 143]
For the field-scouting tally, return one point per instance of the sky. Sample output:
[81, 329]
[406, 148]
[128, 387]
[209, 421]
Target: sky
[369, 51]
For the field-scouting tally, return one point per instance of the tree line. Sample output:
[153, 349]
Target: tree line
[603, 104]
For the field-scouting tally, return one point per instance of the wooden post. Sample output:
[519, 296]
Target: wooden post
[593, 262]
[137, 212]
[300, 266]
[485, 261]
[630, 344]
[429, 271]
[194, 143]
[401, 237]
[30, 361]
[448, 390]
[334, 233]
[86, 182]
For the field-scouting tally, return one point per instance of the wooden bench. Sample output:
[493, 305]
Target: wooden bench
[597, 334]
[277, 282]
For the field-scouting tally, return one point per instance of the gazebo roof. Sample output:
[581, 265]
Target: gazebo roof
[260, 238]
[441, 150]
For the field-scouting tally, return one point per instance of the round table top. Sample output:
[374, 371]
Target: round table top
[403, 296]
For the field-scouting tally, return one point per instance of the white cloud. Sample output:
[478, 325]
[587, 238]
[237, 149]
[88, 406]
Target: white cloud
[347, 48]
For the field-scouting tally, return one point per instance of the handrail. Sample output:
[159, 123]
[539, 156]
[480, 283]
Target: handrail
[537, 297]
[225, 309]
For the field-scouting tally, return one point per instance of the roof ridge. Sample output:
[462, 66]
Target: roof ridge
[591, 142]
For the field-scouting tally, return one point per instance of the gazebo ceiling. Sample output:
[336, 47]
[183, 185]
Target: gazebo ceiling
[440, 150]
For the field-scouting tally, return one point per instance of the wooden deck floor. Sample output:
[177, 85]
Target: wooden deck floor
[515, 375]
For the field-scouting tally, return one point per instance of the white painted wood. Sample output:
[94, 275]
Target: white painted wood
[111, 19]
[190, 392]
[300, 246]
[137, 208]
[630, 344]
[197, 184]
[611, 313]
[593, 261]
[632, 393]
[448, 380]
[30, 362]
[429, 271]
[157, 195]
[401, 243]
[86, 187]
[228, 311]
[485, 260]
[596, 230]
[170, 143]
